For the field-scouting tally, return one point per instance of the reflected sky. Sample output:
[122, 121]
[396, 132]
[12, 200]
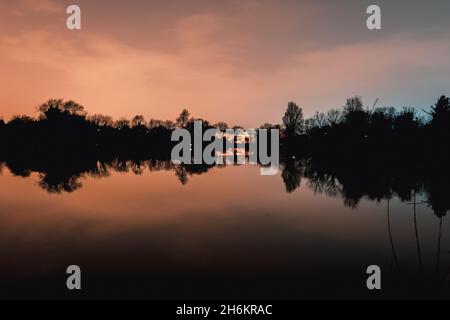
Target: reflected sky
[227, 233]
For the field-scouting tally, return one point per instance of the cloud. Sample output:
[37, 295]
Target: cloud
[23, 7]
[239, 65]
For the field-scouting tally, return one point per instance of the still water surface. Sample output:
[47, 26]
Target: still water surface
[226, 233]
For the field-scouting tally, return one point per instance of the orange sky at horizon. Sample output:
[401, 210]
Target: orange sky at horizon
[238, 62]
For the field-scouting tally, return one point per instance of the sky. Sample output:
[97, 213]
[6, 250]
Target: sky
[235, 61]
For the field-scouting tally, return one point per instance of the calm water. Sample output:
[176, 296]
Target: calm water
[226, 233]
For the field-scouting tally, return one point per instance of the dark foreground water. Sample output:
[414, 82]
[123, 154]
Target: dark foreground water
[228, 233]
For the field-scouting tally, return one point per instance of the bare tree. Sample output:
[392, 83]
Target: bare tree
[222, 126]
[59, 106]
[154, 123]
[51, 104]
[169, 124]
[138, 121]
[73, 107]
[319, 120]
[183, 118]
[122, 124]
[293, 120]
[353, 104]
[334, 117]
[308, 125]
[101, 120]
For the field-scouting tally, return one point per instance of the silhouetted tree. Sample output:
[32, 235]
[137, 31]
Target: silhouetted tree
[353, 104]
[182, 175]
[270, 126]
[2, 129]
[291, 174]
[319, 120]
[169, 125]
[441, 110]
[352, 152]
[190, 124]
[334, 117]
[221, 126]
[293, 120]
[73, 108]
[138, 121]
[21, 120]
[101, 120]
[406, 121]
[54, 109]
[55, 185]
[356, 121]
[183, 119]
[122, 124]
[440, 121]
[308, 126]
[153, 123]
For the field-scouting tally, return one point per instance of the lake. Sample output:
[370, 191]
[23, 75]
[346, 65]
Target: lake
[156, 231]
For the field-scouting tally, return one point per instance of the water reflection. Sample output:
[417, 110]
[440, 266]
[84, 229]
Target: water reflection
[351, 182]
[66, 176]
[280, 236]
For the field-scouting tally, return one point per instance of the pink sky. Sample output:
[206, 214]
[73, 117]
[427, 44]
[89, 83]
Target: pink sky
[240, 62]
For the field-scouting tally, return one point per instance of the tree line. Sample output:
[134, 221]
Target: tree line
[352, 152]
[65, 127]
[354, 130]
